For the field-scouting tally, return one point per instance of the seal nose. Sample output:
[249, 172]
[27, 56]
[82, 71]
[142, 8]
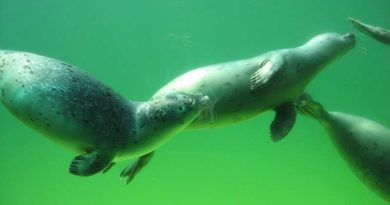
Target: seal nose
[350, 36]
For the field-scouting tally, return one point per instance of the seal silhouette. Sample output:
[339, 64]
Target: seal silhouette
[363, 143]
[74, 109]
[242, 89]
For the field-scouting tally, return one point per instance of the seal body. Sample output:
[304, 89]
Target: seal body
[76, 110]
[242, 89]
[378, 33]
[62, 102]
[363, 143]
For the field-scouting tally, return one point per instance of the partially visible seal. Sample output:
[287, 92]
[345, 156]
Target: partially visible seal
[363, 143]
[242, 89]
[74, 109]
[378, 33]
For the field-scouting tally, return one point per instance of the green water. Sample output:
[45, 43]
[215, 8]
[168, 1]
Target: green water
[138, 46]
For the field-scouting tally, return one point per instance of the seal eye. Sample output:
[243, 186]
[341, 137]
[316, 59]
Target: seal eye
[182, 108]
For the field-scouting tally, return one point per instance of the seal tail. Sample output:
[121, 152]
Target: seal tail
[307, 106]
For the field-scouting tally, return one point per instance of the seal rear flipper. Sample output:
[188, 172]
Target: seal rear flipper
[130, 171]
[267, 69]
[359, 25]
[283, 122]
[378, 33]
[307, 106]
[89, 163]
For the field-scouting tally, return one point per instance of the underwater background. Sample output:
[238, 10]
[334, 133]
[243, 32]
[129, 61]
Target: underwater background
[137, 46]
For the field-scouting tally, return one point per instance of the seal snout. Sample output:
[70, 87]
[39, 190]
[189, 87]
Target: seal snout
[349, 39]
[350, 36]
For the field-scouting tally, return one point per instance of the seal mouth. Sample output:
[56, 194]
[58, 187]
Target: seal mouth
[198, 101]
[349, 38]
[204, 101]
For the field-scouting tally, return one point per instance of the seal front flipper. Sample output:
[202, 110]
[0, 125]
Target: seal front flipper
[266, 71]
[285, 117]
[89, 163]
[130, 171]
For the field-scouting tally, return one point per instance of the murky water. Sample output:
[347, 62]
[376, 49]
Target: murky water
[138, 46]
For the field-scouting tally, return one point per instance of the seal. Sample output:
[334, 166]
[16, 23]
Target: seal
[378, 33]
[363, 143]
[72, 108]
[242, 89]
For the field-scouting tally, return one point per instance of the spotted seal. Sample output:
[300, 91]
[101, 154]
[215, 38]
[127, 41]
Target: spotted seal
[72, 108]
[363, 143]
[242, 89]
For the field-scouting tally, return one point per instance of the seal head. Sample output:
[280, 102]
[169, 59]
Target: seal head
[161, 118]
[327, 47]
[157, 121]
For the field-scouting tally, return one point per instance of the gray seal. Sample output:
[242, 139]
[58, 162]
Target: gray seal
[363, 143]
[72, 108]
[242, 89]
[378, 33]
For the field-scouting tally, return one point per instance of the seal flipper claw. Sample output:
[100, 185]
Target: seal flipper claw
[266, 71]
[89, 163]
[130, 171]
[284, 121]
